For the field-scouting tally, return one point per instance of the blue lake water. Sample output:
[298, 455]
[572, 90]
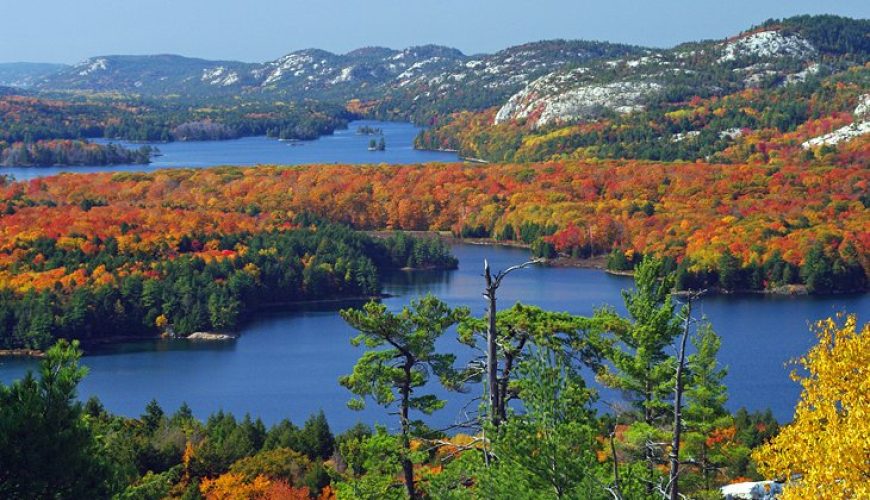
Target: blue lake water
[343, 147]
[287, 364]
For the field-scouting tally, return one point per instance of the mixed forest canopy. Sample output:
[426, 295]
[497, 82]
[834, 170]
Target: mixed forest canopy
[736, 227]
[201, 275]
[737, 165]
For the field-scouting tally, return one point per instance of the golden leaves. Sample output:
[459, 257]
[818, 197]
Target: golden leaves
[826, 449]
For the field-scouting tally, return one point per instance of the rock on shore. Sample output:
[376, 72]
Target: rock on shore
[210, 336]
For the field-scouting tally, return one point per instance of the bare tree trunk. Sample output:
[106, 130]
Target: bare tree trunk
[491, 354]
[407, 465]
[648, 451]
[496, 403]
[616, 491]
[673, 480]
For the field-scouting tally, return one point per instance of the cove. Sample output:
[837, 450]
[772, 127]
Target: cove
[286, 364]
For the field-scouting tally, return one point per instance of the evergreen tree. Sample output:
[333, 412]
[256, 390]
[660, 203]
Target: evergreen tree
[393, 375]
[152, 417]
[705, 395]
[316, 439]
[640, 366]
[47, 449]
[549, 449]
[817, 271]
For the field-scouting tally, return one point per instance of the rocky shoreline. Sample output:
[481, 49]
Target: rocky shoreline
[21, 353]
[210, 336]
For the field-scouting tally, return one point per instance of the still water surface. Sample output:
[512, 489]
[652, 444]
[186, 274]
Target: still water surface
[287, 364]
[343, 147]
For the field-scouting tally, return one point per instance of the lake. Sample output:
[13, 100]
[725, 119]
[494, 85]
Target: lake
[287, 364]
[343, 147]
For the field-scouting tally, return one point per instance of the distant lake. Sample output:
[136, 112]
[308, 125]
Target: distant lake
[287, 364]
[343, 147]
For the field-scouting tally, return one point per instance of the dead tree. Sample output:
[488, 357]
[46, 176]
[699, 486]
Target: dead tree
[673, 479]
[493, 281]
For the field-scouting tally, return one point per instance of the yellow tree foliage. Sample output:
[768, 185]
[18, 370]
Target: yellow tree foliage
[826, 449]
[232, 486]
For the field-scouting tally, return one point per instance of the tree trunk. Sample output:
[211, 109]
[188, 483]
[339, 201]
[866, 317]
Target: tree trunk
[491, 353]
[674, 481]
[648, 451]
[617, 492]
[407, 466]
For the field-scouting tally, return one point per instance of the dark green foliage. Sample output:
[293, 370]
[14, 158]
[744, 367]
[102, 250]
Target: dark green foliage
[531, 231]
[400, 358]
[618, 261]
[413, 252]
[316, 439]
[152, 417]
[825, 272]
[195, 295]
[832, 35]
[507, 233]
[549, 449]
[641, 367]
[478, 231]
[543, 249]
[47, 448]
[731, 277]
[51, 153]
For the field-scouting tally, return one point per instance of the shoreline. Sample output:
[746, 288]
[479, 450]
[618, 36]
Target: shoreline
[599, 262]
[22, 353]
[91, 344]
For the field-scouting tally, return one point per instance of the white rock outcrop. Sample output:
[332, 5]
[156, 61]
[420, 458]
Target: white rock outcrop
[559, 97]
[768, 44]
[219, 76]
[93, 65]
[857, 128]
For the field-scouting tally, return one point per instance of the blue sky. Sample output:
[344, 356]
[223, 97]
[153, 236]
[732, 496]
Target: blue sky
[257, 30]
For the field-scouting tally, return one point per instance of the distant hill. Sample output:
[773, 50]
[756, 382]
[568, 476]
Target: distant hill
[152, 75]
[366, 73]
[546, 82]
[795, 88]
[25, 74]
[777, 53]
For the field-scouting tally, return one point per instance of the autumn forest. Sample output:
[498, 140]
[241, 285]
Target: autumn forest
[735, 169]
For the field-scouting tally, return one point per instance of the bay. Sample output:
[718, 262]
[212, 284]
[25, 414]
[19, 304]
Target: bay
[287, 364]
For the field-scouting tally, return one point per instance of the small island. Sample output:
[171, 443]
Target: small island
[380, 145]
[368, 130]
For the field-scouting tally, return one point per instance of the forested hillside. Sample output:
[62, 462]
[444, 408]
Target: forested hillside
[772, 87]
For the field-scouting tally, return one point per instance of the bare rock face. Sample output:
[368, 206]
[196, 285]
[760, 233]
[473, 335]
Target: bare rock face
[859, 127]
[768, 44]
[628, 84]
[210, 336]
[557, 97]
[219, 75]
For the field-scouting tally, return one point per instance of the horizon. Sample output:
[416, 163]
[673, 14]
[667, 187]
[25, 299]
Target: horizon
[99, 31]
